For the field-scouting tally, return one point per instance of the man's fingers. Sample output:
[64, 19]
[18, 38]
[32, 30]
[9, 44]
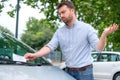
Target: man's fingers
[28, 55]
[113, 27]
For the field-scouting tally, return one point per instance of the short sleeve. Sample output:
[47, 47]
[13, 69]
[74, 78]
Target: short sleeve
[93, 38]
[53, 43]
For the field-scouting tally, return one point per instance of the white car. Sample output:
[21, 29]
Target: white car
[106, 65]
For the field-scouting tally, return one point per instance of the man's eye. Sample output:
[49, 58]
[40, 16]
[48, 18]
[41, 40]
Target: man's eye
[63, 12]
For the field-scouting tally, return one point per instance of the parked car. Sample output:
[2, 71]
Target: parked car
[106, 65]
[13, 66]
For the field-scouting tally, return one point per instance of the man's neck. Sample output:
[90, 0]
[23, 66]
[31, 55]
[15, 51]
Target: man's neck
[70, 24]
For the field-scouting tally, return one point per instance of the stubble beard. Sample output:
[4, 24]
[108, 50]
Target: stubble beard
[68, 20]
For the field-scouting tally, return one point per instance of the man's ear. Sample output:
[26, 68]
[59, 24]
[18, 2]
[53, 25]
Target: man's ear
[72, 10]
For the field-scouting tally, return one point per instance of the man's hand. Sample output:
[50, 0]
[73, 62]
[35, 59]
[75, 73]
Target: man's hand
[111, 29]
[29, 56]
[107, 31]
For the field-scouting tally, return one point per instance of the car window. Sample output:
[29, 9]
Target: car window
[106, 57]
[95, 57]
[118, 58]
[9, 46]
[113, 57]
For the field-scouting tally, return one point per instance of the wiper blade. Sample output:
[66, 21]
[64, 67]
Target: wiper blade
[8, 61]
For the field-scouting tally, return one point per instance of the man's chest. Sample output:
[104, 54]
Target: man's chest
[72, 37]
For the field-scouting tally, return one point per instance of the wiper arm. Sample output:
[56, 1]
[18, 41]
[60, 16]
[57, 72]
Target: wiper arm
[8, 61]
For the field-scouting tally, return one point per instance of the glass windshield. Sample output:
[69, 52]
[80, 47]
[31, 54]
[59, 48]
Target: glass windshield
[10, 45]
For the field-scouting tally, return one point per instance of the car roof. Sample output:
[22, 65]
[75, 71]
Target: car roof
[110, 52]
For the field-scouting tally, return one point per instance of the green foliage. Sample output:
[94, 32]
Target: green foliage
[99, 13]
[2, 5]
[38, 32]
[5, 30]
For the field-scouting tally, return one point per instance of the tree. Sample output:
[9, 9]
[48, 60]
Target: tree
[99, 13]
[38, 32]
[5, 30]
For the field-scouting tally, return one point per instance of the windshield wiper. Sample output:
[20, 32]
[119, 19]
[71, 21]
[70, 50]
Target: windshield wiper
[8, 61]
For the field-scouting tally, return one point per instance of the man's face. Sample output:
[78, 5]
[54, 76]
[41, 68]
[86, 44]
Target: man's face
[66, 14]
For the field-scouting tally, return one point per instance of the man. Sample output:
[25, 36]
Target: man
[76, 39]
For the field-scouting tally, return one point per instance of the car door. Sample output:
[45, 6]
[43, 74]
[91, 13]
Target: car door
[104, 65]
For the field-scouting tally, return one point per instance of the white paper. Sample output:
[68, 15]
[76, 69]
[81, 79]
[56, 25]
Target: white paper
[18, 58]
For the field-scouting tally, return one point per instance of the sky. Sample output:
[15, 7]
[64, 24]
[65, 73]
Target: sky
[25, 13]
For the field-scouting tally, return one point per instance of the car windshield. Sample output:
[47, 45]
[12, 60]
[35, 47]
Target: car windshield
[10, 46]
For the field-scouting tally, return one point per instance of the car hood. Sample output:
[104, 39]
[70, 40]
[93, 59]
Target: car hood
[16, 72]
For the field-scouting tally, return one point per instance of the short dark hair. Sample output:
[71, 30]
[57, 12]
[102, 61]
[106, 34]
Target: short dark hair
[67, 3]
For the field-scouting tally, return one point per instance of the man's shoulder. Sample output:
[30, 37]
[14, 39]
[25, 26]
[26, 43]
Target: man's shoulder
[61, 28]
[83, 23]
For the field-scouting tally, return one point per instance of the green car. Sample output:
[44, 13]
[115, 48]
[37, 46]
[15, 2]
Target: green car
[13, 66]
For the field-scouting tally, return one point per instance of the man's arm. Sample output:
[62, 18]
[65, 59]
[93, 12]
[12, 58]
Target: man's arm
[106, 32]
[43, 51]
[51, 46]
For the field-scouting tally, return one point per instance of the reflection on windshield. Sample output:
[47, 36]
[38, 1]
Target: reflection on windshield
[9, 46]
